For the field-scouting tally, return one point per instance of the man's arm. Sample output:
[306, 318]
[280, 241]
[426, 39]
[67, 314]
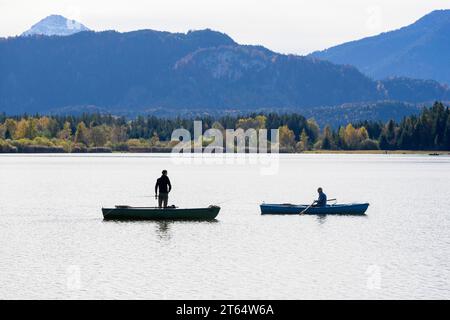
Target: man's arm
[156, 188]
[169, 184]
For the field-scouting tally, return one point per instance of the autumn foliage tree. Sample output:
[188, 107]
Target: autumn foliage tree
[286, 138]
[82, 134]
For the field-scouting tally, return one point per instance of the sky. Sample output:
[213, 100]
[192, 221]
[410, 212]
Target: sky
[286, 26]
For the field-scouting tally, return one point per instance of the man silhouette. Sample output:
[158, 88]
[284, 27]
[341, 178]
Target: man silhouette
[164, 186]
[322, 201]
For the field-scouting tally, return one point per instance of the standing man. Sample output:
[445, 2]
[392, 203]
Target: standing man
[164, 186]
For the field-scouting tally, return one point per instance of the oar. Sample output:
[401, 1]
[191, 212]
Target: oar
[303, 212]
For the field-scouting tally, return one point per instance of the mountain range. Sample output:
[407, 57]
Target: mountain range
[420, 50]
[143, 71]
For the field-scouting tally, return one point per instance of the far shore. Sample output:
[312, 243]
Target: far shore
[422, 152]
[43, 150]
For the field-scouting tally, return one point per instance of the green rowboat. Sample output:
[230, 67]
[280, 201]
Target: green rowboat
[154, 213]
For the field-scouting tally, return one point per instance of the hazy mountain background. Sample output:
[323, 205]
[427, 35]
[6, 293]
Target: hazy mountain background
[420, 50]
[205, 71]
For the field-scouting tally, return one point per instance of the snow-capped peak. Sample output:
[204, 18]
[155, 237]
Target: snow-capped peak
[55, 25]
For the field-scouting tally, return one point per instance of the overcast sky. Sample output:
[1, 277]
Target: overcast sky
[288, 26]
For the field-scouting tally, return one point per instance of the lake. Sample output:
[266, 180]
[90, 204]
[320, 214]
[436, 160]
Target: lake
[55, 244]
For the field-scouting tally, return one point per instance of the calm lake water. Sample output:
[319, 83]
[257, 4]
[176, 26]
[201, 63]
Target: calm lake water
[55, 244]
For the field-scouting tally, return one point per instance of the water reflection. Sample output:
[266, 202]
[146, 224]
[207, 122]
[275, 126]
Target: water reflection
[321, 218]
[163, 227]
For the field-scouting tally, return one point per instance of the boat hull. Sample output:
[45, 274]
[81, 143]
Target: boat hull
[145, 213]
[342, 209]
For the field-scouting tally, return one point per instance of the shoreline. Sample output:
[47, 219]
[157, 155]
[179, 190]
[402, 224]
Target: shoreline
[168, 150]
[419, 152]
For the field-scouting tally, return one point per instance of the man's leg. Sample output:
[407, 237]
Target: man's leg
[166, 200]
[160, 200]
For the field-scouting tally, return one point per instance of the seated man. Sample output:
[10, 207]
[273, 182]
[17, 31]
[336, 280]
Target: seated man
[322, 201]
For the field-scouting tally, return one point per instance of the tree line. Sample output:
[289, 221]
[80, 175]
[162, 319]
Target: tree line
[430, 130]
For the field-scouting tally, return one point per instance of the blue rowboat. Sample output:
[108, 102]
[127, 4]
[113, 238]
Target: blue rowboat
[287, 208]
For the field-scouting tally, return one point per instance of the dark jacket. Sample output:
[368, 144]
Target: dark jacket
[163, 184]
[322, 201]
